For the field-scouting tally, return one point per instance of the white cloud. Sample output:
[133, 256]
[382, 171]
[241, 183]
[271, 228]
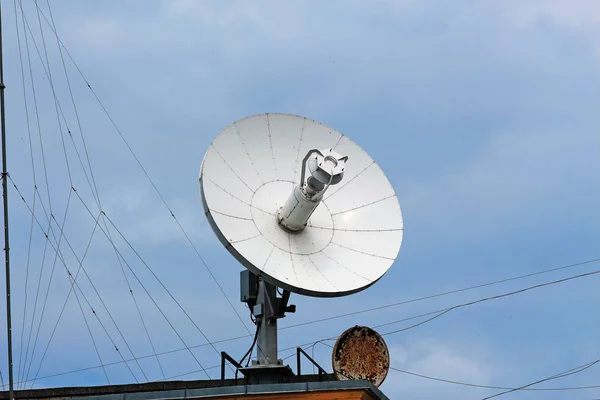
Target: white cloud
[439, 359]
[143, 219]
[219, 13]
[101, 33]
[573, 13]
[513, 174]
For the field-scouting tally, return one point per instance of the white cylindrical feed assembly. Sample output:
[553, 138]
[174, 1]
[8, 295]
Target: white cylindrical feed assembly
[296, 211]
[326, 168]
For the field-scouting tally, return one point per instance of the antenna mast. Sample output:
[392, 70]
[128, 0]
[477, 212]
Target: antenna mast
[5, 200]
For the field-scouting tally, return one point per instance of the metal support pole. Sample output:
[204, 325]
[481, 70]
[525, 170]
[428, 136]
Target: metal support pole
[267, 334]
[298, 362]
[5, 200]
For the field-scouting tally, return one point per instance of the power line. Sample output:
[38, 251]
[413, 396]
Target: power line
[153, 184]
[497, 297]
[93, 187]
[91, 337]
[56, 254]
[48, 72]
[26, 285]
[310, 343]
[439, 313]
[161, 284]
[34, 96]
[52, 27]
[551, 389]
[571, 371]
[104, 306]
[71, 290]
[148, 293]
[491, 387]
[399, 303]
[59, 253]
[476, 385]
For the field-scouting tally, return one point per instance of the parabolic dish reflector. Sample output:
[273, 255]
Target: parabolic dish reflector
[349, 242]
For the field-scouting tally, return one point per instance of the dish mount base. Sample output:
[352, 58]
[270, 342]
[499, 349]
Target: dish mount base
[267, 307]
[261, 374]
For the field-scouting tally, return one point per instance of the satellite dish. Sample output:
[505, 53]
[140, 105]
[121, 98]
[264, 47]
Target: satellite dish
[361, 353]
[300, 205]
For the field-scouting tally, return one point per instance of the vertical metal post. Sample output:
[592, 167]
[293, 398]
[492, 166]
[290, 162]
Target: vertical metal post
[267, 333]
[5, 198]
[222, 367]
[298, 362]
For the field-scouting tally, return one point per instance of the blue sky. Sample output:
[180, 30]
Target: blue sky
[483, 114]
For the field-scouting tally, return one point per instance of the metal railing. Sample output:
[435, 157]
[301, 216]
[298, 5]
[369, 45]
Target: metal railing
[322, 372]
[224, 358]
[323, 375]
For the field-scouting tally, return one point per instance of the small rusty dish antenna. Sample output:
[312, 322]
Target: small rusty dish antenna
[361, 353]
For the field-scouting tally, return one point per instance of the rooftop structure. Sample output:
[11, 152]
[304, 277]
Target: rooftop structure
[297, 387]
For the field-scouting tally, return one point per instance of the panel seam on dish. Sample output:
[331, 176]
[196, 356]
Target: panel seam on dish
[235, 197]
[223, 190]
[347, 183]
[321, 273]
[264, 268]
[298, 152]
[339, 140]
[254, 194]
[364, 205]
[247, 152]
[346, 268]
[229, 215]
[271, 146]
[243, 240]
[231, 169]
[362, 252]
[292, 259]
[358, 230]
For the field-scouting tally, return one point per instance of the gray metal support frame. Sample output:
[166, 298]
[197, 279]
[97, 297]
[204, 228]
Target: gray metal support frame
[267, 330]
[261, 296]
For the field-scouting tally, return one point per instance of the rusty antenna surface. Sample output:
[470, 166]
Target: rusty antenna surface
[361, 353]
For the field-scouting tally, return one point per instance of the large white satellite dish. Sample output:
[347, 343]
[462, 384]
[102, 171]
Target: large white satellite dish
[300, 205]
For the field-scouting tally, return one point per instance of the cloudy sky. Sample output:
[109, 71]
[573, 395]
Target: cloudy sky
[483, 114]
